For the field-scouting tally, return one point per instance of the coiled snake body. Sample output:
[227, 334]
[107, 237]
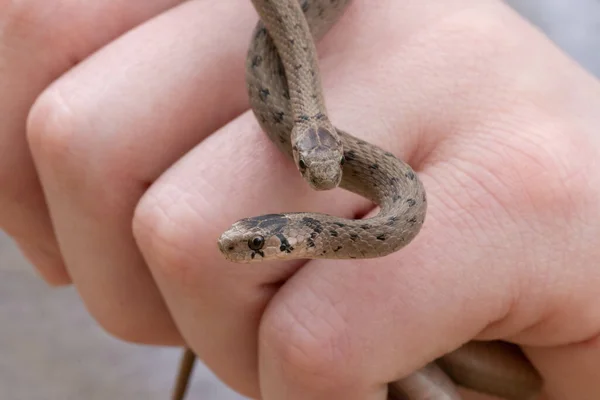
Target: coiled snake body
[285, 93]
[287, 100]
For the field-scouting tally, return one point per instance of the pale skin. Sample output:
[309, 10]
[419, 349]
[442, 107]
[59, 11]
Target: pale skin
[501, 126]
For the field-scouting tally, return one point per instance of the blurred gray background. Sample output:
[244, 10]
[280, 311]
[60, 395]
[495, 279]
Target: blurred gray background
[52, 350]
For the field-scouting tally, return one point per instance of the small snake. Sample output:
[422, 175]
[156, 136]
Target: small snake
[285, 92]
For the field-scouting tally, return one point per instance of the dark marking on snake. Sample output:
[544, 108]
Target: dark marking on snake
[333, 233]
[381, 237]
[261, 31]
[411, 202]
[305, 5]
[264, 93]
[280, 71]
[392, 221]
[314, 224]
[273, 222]
[269, 220]
[350, 155]
[256, 61]
[259, 252]
[337, 249]
[410, 175]
[353, 236]
[285, 245]
[278, 116]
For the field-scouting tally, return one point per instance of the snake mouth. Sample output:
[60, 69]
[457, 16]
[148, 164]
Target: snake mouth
[230, 251]
[322, 185]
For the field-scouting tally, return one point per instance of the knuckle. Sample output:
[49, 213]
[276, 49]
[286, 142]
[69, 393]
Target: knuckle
[160, 223]
[311, 347]
[51, 129]
[71, 152]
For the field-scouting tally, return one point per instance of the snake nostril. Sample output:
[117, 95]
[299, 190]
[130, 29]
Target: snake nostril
[225, 246]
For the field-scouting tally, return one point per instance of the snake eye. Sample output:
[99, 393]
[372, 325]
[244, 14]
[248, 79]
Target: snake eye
[301, 165]
[342, 160]
[256, 242]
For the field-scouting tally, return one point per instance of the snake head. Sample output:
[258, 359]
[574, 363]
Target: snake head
[318, 153]
[255, 239]
[241, 247]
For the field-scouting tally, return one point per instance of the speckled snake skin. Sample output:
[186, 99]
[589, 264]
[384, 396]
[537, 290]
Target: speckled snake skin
[285, 93]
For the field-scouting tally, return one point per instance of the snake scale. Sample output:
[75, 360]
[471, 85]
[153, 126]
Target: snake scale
[285, 92]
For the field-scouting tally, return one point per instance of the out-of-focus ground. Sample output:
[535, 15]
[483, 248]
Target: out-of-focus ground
[50, 349]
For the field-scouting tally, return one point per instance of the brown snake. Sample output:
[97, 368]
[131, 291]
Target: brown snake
[284, 86]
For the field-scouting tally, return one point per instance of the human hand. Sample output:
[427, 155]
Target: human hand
[499, 124]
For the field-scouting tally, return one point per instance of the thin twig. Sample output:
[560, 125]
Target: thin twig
[186, 366]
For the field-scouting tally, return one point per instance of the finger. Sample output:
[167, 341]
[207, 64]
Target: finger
[571, 371]
[40, 40]
[103, 132]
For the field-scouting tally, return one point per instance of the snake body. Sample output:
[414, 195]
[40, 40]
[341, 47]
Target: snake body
[287, 101]
[285, 94]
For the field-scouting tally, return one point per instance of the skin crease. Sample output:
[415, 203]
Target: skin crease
[500, 125]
